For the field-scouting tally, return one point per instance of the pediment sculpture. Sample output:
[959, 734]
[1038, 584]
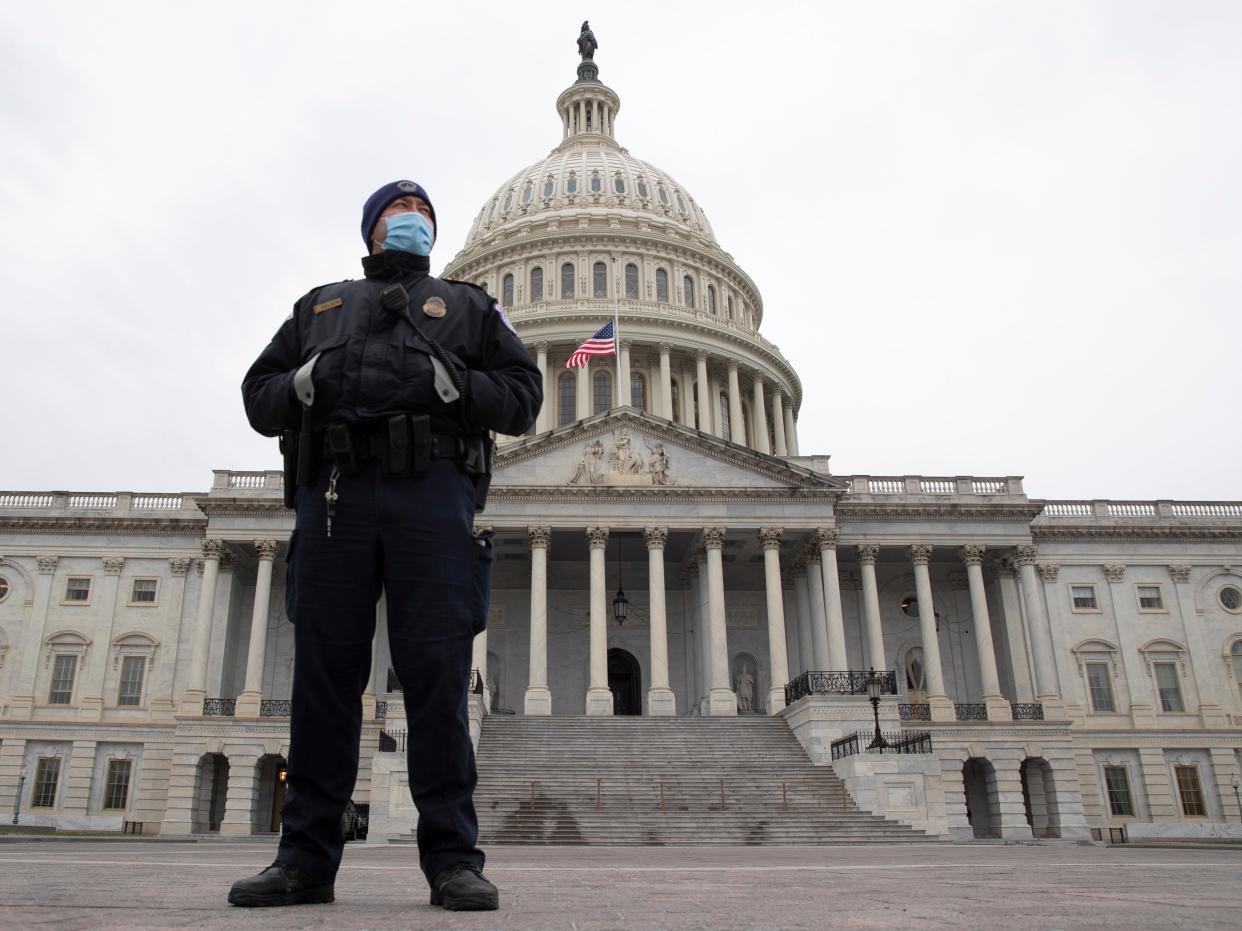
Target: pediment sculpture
[618, 463]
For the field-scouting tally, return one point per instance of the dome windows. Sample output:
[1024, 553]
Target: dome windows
[729, 307]
[618, 183]
[549, 187]
[631, 282]
[643, 193]
[601, 384]
[567, 281]
[599, 280]
[681, 204]
[638, 391]
[711, 299]
[687, 291]
[528, 193]
[491, 214]
[597, 183]
[661, 285]
[508, 203]
[571, 183]
[536, 284]
[566, 398]
[663, 195]
[506, 291]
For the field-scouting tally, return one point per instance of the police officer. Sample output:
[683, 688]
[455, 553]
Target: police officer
[383, 390]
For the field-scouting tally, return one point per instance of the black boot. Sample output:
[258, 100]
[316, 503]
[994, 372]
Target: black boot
[279, 884]
[462, 888]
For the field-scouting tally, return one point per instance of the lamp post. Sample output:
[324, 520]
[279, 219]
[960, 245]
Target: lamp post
[21, 778]
[1236, 796]
[875, 684]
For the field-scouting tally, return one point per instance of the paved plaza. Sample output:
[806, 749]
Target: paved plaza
[139, 884]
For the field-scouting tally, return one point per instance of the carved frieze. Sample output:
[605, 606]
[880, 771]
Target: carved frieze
[47, 564]
[178, 566]
[1048, 571]
[1180, 572]
[113, 565]
[1114, 571]
[619, 463]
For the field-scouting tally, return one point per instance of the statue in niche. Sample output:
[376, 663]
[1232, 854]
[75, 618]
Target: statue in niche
[491, 690]
[745, 690]
[915, 670]
[586, 42]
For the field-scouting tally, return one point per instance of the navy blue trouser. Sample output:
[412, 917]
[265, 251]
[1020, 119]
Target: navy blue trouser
[411, 538]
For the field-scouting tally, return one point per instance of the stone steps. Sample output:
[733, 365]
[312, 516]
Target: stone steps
[598, 781]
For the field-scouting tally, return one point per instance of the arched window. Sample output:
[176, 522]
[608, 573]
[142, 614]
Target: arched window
[675, 395]
[528, 193]
[601, 384]
[618, 184]
[661, 285]
[567, 398]
[729, 306]
[681, 204]
[506, 291]
[663, 195]
[597, 183]
[536, 284]
[642, 189]
[638, 391]
[687, 291]
[725, 430]
[549, 187]
[492, 213]
[571, 183]
[508, 203]
[567, 281]
[599, 280]
[711, 298]
[631, 282]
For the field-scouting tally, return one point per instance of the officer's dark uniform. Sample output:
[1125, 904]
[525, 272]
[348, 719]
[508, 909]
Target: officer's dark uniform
[402, 524]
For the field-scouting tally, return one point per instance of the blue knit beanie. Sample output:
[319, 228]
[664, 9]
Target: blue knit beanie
[380, 200]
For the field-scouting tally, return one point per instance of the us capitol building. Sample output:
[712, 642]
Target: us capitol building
[664, 549]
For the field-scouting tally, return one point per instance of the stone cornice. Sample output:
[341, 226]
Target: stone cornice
[1177, 533]
[1018, 512]
[243, 507]
[721, 495]
[159, 526]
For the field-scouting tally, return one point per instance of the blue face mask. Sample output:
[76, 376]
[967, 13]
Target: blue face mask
[409, 232]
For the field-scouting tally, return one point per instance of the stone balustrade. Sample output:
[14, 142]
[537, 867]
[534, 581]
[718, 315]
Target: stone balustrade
[1111, 511]
[106, 504]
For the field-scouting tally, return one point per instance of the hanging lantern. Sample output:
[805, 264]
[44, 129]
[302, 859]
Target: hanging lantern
[620, 607]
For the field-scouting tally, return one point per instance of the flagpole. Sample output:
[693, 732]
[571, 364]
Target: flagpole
[616, 328]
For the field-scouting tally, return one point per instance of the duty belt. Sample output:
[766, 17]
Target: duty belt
[403, 443]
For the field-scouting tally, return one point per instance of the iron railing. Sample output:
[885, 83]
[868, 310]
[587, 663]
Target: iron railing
[914, 712]
[381, 709]
[838, 682]
[900, 742]
[275, 708]
[970, 711]
[1028, 711]
[392, 742]
[219, 707]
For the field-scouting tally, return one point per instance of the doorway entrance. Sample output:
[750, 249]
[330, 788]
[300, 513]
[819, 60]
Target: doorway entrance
[625, 682]
[982, 805]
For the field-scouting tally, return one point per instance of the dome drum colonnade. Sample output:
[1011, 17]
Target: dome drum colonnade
[590, 232]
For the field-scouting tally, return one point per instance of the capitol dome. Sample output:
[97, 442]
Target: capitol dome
[589, 234]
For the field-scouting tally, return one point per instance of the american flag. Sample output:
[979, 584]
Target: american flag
[603, 343]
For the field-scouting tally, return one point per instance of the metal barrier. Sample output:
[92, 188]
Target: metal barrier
[899, 742]
[839, 682]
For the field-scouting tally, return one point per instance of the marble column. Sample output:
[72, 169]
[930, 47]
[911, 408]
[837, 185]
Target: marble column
[582, 393]
[989, 678]
[819, 616]
[867, 555]
[759, 409]
[791, 429]
[378, 667]
[802, 594]
[666, 382]
[249, 700]
[778, 424]
[192, 699]
[704, 392]
[1211, 711]
[737, 428]
[721, 700]
[777, 668]
[660, 699]
[826, 541]
[623, 396]
[685, 397]
[793, 650]
[164, 701]
[599, 696]
[1047, 690]
[32, 637]
[480, 664]
[90, 685]
[543, 421]
[538, 696]
[941, 706]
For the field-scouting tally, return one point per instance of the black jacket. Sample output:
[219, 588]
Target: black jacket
[372, 363]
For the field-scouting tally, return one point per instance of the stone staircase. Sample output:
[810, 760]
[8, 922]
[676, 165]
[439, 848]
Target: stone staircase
[658, 781]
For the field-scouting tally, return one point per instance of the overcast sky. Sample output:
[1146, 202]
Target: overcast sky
[992, 237]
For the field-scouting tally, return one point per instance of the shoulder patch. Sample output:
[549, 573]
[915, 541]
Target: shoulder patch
[504, 317]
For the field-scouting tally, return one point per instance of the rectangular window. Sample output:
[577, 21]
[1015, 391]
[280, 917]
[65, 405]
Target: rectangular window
[1150, 598]
[1084, 598]
[116, 789]
[1190, 792]
[130, 691]
[1117, 782]
[1167, 685]
[1100, 683]
[144, 591]
[78, 590]
[47, 775]
[62, 680]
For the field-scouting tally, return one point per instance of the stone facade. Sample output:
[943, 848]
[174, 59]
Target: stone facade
[1077, 664]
